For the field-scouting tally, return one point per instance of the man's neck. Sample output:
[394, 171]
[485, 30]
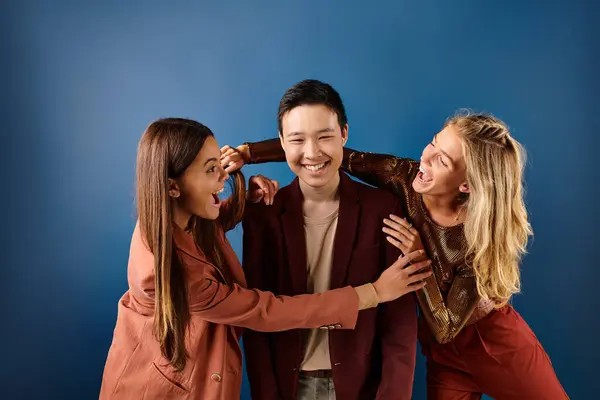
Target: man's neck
[320, 201]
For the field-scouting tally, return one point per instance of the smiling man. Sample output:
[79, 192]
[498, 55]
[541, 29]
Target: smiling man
[324, 231]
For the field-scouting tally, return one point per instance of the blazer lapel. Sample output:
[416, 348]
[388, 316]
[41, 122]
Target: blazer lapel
[346, 231]
[292, 224]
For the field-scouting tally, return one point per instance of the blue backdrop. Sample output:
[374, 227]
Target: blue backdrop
[83, 79]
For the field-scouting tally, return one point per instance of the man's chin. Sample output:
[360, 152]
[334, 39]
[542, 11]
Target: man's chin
[315, 181]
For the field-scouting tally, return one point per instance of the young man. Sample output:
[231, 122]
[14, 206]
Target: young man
[324, 231]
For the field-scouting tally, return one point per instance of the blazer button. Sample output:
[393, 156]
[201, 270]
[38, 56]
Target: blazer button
[216, 377]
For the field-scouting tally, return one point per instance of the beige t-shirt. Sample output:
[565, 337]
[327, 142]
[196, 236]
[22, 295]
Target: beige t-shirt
[320, 235]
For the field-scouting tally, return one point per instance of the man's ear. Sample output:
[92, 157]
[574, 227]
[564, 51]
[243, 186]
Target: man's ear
[345, 134]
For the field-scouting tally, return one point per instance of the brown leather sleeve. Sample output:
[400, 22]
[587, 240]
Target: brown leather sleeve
[266, 151]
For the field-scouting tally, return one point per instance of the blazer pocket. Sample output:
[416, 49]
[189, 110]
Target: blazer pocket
[161, 386]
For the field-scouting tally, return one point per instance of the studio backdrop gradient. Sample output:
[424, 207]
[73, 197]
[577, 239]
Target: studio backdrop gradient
[82, 80]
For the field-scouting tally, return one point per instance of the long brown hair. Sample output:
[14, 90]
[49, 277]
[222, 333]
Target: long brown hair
[166, 149]
[496, 227]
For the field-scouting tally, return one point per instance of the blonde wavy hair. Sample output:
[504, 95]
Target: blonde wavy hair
[496, 225]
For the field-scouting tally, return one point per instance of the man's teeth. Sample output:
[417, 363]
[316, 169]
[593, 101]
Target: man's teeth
[315, 167]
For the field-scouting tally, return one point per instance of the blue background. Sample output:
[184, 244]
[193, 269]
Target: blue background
[81, 81]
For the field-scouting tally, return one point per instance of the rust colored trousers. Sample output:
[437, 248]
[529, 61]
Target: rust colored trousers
[498, 355]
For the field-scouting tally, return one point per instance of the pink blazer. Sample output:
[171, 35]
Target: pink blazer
[135, 368]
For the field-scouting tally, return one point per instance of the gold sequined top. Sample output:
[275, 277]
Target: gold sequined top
[450, 297]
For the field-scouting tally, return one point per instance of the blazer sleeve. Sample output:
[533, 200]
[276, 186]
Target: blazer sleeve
[257, 345]
[398, 330]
